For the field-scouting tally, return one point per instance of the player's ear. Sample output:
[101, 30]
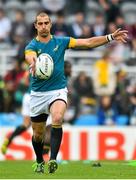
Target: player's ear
[50, 22]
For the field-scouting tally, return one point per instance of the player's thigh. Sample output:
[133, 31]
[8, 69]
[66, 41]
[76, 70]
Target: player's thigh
[57, 110]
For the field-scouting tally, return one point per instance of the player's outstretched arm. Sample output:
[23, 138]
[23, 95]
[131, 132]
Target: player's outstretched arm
[118, 35]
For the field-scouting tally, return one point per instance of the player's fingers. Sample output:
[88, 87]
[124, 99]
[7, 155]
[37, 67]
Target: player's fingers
[32, 68]
[116, 33]
[124, 32]
[118, 30]
[34, 59]
[125, 35]
[33, 72]
[123, 40]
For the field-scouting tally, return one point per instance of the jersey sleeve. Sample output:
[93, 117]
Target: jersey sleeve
[72, 43]
[69, 42]
[30, 48]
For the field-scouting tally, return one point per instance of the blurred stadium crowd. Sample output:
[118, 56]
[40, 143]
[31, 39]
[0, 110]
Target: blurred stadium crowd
[107, 95]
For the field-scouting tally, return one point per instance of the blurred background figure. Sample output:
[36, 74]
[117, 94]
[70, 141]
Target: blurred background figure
[111, 8]
[86, 31]
[5, 26]
[104, 76]
[59, 28]
[107, 111]
[19, 32]
[132, 106]
[77, 25]
[84, 95]
[99, 25]
[121, 96]
[12, 80]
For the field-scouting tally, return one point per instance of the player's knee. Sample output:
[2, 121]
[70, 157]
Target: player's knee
[57, 118]
[38, 136]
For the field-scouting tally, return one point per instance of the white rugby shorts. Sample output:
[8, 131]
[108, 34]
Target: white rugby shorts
[26, 104]
[26, 107]
[41, 101]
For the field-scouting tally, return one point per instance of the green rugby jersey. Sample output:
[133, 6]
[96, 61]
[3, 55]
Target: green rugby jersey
[56, 49]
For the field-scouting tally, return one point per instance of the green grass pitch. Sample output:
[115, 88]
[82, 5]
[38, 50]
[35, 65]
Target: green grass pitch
[71, 170]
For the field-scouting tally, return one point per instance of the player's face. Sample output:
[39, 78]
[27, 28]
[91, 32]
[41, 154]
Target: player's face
[43, 26]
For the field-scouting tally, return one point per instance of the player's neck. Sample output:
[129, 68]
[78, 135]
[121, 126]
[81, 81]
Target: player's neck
[44, 39]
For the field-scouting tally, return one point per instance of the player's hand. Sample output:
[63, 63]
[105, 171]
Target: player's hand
[120, 35]
[32, 67]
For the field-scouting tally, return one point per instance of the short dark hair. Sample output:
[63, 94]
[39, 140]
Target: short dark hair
[42, 14]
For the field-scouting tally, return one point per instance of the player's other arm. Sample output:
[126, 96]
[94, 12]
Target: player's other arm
[30, 57]
[118, 35]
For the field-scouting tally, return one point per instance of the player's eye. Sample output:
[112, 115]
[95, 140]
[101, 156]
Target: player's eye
[40, 23]
[46, 23]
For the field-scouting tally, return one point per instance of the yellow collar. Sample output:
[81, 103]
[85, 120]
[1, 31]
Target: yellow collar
[39, 40]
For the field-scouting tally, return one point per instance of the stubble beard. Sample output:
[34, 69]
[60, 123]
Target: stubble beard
[44, 35]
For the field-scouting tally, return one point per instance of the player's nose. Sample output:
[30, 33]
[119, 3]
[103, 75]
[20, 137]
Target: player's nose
[44, 26]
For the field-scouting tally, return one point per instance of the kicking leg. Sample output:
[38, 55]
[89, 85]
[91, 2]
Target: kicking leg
[38, 126]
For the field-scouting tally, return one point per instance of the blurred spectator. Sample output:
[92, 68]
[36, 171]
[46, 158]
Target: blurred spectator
[132, 33]
[77, 26]
[83, 85]
[59, 28]
[107, 111]
[121, 94]
[104, 76]
[75, 6]
[120, 22]
[20, 53]
[133, 107]
[14, 75]
[9, 99]
[86, 31]
[111, 27]
[84, 96]
[111, 8]
[32, 31]
[5, 27]
[12, 80]
[19, 31]
[68, 73]
[53, 6]
[119, 53]
[70, 113]
[99, 25]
